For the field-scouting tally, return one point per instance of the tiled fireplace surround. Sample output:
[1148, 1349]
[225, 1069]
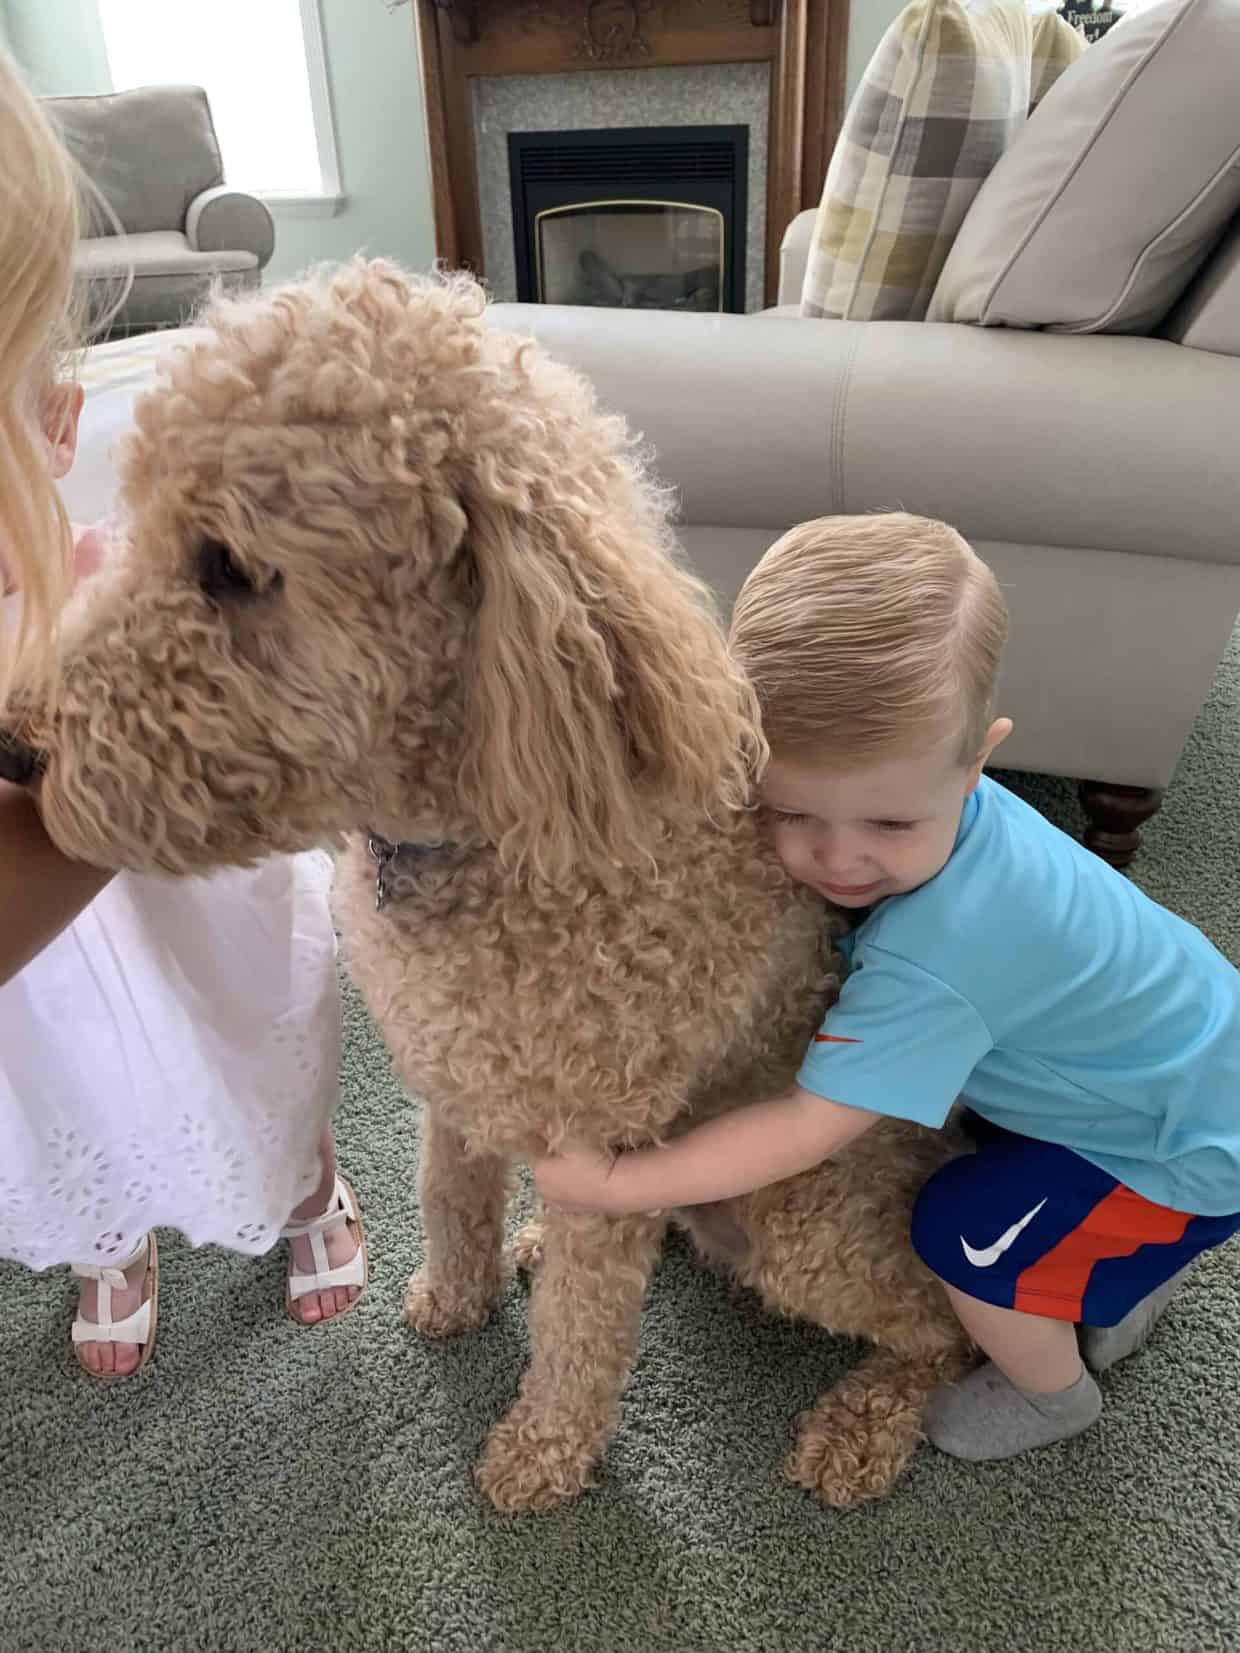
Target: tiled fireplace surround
[724, 94]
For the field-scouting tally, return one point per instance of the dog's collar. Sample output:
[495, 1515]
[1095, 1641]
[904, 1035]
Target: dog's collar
[385, 854]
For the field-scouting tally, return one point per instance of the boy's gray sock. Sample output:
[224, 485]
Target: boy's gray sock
[985, 1416]
[1102, 1346]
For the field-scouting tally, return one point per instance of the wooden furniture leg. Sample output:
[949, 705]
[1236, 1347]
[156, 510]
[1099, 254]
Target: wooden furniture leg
[1115, 816]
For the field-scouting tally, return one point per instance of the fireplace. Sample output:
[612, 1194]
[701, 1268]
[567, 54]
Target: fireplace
[511, 66]
[647, 217]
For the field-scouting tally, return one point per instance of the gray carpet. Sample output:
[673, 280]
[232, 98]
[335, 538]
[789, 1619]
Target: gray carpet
[267, 1489]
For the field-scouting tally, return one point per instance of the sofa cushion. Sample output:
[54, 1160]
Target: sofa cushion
[158, 253]
[1208, 316]
[1099, 214]
[155, 280]
[147, 152]
[947, 89]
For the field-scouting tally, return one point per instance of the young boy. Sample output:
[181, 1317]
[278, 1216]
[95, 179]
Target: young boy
[993, 958]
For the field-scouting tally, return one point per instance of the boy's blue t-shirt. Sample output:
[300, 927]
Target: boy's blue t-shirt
[1062, 1003]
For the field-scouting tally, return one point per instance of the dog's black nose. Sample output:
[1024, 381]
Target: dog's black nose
[19, 762]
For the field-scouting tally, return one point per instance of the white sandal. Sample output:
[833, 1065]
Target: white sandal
[342, 1209]
[138, 1327]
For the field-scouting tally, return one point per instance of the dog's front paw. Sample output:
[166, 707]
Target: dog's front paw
[535, 1461]
[853, 1444]
[526, 1247]
[438, 1311]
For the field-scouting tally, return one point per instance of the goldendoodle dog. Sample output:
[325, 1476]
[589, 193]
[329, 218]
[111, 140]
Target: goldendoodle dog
[394, 582]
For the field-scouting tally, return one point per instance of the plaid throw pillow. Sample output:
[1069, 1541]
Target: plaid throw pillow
[945, 93]
[1056, 47]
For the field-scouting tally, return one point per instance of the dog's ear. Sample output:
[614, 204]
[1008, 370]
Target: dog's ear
[600, 676]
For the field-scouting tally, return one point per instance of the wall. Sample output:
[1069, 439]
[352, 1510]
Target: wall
[372, 62]
[372, 65]
[867, 22]
[59, 44]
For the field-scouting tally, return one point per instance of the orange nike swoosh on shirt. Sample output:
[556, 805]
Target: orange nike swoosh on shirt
[834, 1039]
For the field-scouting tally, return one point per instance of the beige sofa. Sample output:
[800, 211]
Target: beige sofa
[1099, 477]
[1096, 469]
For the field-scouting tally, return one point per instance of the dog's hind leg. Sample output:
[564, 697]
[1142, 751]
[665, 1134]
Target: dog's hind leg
[584, 1316]
[462, 1198]
[856, 1439]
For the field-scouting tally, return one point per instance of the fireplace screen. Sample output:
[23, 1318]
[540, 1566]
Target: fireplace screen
[638, 218]
[635, 255]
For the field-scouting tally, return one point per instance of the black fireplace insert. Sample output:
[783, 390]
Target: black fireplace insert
[643, 217]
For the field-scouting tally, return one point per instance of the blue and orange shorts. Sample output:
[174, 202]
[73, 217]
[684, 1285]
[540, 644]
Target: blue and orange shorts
[1032, 1226]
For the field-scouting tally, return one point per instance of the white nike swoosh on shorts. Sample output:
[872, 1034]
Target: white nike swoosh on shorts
[992, 1253]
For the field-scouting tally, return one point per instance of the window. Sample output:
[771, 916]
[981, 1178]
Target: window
[263, 70]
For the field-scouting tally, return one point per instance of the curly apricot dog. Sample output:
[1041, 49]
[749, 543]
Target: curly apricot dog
[394, 580]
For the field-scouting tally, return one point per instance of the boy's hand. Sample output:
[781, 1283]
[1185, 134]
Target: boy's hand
[577, 1179]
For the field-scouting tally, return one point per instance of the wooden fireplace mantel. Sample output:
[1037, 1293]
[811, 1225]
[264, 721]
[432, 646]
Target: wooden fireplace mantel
[804, 41]
[604, 27]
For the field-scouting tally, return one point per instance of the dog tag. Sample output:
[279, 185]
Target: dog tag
[382, 852]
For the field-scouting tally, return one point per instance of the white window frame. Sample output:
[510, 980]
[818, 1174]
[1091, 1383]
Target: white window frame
[327, 202]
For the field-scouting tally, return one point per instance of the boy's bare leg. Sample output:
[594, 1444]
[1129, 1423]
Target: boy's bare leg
[1032, 1352]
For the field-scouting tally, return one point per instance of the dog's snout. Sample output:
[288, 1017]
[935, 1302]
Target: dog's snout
[20, 762]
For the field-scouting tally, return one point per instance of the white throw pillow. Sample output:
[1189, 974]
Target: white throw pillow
[1105, 205]
[1208, 316]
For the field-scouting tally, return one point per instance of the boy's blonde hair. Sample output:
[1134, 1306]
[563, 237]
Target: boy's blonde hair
[871, 636]
[38, 236]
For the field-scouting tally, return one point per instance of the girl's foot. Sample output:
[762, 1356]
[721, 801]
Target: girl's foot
[327, 1267]
[119, 1300]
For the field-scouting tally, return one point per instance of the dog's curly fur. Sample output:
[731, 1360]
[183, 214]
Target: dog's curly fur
[391, 570]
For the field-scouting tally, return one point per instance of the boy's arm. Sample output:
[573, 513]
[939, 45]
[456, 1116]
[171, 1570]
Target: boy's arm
[737, 1152]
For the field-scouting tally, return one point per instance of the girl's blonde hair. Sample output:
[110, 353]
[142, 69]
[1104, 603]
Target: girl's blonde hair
[869, 636]
[38, 235]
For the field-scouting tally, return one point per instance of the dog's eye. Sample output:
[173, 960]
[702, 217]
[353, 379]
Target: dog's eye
[218, 574]
[221, 576]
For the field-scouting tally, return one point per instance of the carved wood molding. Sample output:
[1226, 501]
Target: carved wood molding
[804, 41]
[604, 31]
[601, 31]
